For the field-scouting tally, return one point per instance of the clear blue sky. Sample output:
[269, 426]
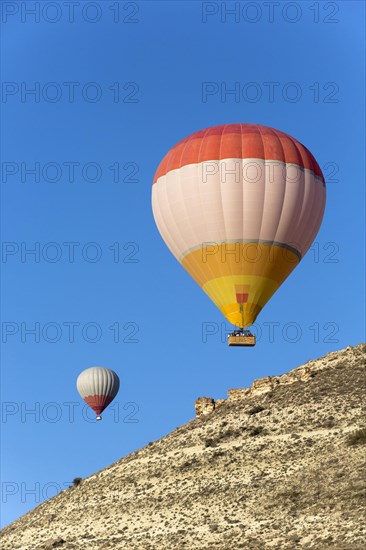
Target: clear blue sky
[168, 53]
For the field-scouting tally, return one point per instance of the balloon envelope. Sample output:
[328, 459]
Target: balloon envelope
[98, 386]
[239, 205]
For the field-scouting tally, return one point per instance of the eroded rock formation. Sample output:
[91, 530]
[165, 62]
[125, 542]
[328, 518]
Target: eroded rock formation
[304, 373]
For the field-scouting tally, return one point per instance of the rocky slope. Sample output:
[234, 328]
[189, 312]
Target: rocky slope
[279, 469]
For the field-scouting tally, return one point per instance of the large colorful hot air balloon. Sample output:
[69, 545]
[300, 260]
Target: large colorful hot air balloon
[98, 387]
[239, 205]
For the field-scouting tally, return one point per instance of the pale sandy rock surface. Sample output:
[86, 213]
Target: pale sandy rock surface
[280, 470]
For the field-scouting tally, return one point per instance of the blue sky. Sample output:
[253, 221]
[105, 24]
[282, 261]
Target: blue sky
[121, 300]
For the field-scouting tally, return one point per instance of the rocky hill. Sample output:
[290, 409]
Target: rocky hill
[280, 468]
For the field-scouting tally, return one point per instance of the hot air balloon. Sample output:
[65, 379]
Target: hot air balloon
[98, 387]
[239, 206]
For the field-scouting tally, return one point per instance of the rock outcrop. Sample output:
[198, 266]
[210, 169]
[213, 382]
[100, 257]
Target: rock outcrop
[206, 405]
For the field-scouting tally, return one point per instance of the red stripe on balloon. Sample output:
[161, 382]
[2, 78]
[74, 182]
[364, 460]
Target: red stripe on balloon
[98, 402]
[237, 141]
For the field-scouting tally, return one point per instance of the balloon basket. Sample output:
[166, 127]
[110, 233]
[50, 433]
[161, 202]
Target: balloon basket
[241, 338]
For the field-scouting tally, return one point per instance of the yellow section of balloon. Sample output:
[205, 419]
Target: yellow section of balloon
[225, 271]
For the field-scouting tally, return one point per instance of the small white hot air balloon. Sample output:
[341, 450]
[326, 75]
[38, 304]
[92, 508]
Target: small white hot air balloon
[98, 386]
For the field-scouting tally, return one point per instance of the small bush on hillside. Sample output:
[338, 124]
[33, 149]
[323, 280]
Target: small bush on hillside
[210, 443]
[358, 437]
[258, 430]
[76, 481]
[229, 434]
[256, 409]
